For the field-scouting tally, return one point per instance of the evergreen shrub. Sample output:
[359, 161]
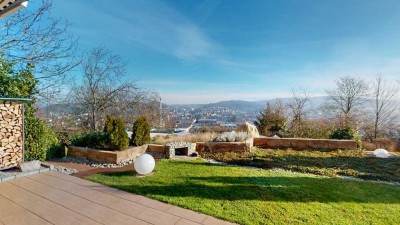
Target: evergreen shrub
[140, 132]
[346, 133]
[41, 142]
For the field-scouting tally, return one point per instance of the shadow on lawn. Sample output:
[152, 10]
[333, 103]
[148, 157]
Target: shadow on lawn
[363, 167]
[285, 189]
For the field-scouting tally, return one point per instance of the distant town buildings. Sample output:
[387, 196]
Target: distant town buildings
[204, 116]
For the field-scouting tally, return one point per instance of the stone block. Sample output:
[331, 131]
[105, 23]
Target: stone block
[29, 166]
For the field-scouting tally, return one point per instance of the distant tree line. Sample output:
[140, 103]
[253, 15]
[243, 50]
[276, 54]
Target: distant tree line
[369, 109]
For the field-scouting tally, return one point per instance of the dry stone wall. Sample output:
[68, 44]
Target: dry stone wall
[11, 134]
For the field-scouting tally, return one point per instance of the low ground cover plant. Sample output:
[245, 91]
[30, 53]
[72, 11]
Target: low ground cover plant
[354, 163]
[96, 140]
[251, 196]
[232, 137]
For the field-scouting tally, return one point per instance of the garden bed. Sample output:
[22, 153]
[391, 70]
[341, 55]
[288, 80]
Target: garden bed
[352, 163]
[106, 155]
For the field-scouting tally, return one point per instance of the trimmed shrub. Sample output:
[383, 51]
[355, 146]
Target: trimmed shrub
[346, 133]
[114, 136]
[108, 126]
[97, 140]
[41, 142]
[119, 139]
[140, 132]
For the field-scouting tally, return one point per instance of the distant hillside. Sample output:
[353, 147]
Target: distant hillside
[236, 104]
[314, 102]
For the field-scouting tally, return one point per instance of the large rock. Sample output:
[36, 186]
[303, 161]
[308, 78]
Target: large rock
[250, 129]
[29, 166]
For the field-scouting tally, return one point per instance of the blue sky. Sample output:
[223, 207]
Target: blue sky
[201, 51]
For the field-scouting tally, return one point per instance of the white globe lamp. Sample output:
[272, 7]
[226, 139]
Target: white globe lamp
[381, 153]
[144, 164]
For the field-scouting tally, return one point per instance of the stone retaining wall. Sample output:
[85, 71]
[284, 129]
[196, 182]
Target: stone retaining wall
[106, 156]
[11, 134]
[170, 149]
[305, 144]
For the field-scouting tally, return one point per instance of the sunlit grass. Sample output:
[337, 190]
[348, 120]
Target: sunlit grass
[251, 196]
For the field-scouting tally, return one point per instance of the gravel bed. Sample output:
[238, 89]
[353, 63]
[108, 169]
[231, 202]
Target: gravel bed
[95, 164]
[8, 173]
[65, 170]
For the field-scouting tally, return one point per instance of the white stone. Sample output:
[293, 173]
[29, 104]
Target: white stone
[250, 129]
[144, 164]
[381, 153]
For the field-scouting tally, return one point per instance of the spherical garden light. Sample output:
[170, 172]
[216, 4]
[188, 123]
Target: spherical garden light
[144, 164]
[381, 153]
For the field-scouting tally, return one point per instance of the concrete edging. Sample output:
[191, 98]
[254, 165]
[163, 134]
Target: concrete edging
[47, 167]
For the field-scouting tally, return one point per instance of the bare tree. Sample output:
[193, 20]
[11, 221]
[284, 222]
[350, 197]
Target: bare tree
[103, 88]
[386, 111]
[297, 105]
[348, 97]
[141, 102]
[33, 36]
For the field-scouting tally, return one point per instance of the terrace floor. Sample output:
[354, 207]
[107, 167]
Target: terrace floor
[55, 198]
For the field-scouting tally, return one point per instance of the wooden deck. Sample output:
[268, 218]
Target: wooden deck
[55, 198]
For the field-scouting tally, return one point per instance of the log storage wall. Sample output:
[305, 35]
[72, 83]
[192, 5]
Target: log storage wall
[11, 134]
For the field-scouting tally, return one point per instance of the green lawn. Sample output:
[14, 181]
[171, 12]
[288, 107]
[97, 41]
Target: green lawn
[333, 164]
[252, 196]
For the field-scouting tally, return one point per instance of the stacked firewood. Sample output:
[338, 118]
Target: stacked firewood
[11, 134]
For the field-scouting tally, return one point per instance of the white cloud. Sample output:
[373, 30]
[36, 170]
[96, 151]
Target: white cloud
[151, 24]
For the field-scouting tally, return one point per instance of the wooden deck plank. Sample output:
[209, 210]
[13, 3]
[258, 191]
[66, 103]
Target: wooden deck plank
[54, 213]
[54, 198]
[11, 213]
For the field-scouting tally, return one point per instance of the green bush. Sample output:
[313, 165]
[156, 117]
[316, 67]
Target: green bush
[114, 136]
[346, 133]
[41, 142]
[108, 126]
[97, 140]
[119, 139]
[140, 132]
[272, 121]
